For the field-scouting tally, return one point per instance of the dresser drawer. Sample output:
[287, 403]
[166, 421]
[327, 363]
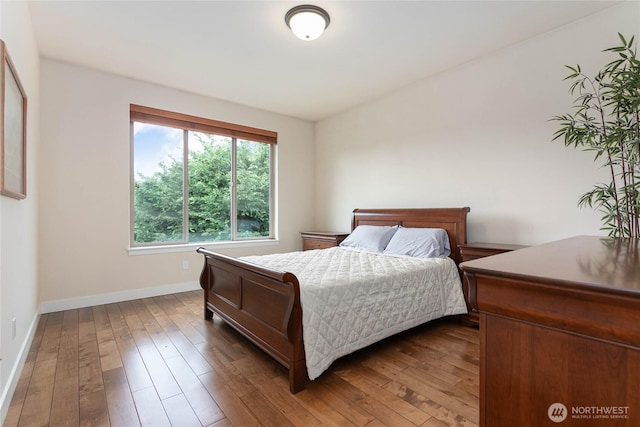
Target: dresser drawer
[321, 239]
[316, 244]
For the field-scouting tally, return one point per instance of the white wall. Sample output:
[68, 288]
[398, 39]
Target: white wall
[477, 136]
[18, 225]
[84, 205]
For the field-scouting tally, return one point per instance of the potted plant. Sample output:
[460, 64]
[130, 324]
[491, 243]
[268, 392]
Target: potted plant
[606, 121]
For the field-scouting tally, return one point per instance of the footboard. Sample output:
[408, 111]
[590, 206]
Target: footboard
[262, 304]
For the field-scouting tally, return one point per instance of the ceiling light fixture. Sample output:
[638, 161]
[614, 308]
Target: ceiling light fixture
[307, 22]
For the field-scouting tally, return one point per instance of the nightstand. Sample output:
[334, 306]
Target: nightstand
[321, 239]
[475, 250]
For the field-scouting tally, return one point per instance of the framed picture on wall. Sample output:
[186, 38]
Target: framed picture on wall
[13, 132]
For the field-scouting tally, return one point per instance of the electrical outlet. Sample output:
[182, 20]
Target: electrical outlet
[13, 328]
[185, 264]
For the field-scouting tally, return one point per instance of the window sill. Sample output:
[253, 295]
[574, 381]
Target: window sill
[189, 247]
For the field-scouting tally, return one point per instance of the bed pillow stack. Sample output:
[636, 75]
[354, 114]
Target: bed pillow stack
[398, 240]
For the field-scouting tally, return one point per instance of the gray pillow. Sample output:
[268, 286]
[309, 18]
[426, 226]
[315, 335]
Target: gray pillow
[420, 242]
[370, 237]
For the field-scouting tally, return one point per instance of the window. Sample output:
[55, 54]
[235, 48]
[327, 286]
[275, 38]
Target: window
[198, 180]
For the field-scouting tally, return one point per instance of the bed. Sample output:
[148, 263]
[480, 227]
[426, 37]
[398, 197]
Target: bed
[264, 302]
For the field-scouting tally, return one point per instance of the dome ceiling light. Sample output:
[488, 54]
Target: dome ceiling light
[307, 22]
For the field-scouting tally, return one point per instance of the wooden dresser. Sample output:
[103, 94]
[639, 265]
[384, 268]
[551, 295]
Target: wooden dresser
[476, 250]
[321, 239]
[559, 333]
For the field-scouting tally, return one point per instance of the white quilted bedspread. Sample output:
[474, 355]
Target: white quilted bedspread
[351, 298]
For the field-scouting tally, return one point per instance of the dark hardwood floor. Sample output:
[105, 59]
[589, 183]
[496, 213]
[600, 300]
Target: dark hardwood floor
[157, 362]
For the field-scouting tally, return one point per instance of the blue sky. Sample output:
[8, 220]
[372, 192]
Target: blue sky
[153, 145]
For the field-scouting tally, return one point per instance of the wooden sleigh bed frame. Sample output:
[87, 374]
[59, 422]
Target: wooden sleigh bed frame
[264, 304]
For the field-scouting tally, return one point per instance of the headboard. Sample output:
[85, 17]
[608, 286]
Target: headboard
[453, 220]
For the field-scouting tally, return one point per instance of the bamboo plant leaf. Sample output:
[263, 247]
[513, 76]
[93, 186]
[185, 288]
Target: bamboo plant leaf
[606, 121]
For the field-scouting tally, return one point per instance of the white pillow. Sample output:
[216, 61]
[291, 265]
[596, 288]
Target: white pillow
[370, 237]
[420, 242]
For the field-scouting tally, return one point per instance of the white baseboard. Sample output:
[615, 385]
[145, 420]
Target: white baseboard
[91, 300]
[14, 375]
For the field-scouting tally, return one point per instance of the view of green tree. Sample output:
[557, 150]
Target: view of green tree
[158, 198]
[158, 205]
[253, 189]
[210, 189]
